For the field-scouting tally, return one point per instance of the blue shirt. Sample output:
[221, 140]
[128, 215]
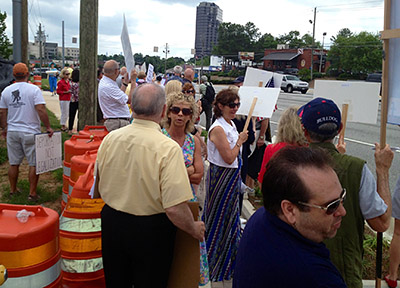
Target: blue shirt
[273, 254]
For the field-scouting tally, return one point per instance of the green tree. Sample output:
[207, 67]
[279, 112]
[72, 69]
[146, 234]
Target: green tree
[5, 51]
[355, 53]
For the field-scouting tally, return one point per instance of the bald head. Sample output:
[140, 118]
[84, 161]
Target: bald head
[189, 74]
[148, 102]
[111, 69]
[123, 70]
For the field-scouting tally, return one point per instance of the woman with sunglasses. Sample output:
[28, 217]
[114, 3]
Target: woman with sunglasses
[221, 209]
[64, 94]
[178, 123]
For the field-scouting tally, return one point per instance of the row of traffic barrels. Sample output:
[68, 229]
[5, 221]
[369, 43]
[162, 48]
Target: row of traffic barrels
[40, 249]
[80, 222]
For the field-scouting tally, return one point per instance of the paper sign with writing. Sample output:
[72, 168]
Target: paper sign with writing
[150, 72]
[48, 152]
[394, 68]
[362, 97]
[254, 76]
[266, 100]
[126, 48]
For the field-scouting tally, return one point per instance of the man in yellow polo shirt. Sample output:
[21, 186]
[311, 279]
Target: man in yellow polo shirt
[142, 178]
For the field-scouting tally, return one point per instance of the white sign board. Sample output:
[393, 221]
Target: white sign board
[394, 67]
[254, 76]
[150, 72]
[266, 101]
[126, 47]
[362, 97]
[48, 152]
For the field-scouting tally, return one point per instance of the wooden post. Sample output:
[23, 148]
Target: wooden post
[253, 104]
[24, 32]
[384, 110]
[88, 62]
[345, 109]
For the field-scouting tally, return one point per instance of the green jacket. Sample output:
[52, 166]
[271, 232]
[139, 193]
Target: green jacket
[346, 248]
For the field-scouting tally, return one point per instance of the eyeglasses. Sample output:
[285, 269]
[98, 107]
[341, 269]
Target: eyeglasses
[331, 207]
[233, 105]
[185, 111]
[188, 91]
[67, 74]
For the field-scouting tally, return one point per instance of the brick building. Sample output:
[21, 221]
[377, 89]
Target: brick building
[280, 59]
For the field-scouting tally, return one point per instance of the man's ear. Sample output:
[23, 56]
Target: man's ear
[289, 211]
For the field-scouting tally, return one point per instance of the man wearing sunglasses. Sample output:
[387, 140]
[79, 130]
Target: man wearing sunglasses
[282, 244]
[367, 199]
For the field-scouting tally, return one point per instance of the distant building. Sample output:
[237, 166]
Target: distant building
[70, 52]
[208, 18]
[281, 59]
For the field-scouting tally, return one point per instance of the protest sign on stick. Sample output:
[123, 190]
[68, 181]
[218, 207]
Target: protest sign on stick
[126, 48]
[266, 100]
[254, 76]
[150, 73]
[345, 108]
[48, 152]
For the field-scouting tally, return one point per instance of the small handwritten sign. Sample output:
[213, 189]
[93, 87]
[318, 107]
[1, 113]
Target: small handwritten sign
[48, 152]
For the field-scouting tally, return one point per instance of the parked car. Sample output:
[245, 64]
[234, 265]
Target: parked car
[375, 77]
[292, 83]
[291, 71]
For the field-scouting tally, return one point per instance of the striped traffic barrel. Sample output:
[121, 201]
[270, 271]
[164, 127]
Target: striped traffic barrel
[99, 131]
[29, 248]
[37, 80]
[77, 145]
[80, 237]
[79, 166]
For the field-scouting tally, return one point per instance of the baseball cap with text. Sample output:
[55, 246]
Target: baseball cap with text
[317, 112]
[20, 70]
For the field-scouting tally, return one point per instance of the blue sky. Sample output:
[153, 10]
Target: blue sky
[155, 23]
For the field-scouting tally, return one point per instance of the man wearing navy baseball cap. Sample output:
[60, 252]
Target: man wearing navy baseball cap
[366, 198]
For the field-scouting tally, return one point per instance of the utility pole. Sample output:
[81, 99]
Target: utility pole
[166, 51]
[322, 52]
[63, 51]
[89, 10]
[40, 48]
[24, 32]
[17, 57]
[313, 42]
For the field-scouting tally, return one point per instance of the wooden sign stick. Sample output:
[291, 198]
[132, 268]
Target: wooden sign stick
[253, 104]
[345, 109]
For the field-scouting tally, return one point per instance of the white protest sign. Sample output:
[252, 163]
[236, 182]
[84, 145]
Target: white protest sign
[265, 104]
[362, 97]
[126, 47]
[150, 72]
[254, 76]
[48, 152]
[143, 67]
[394, 67]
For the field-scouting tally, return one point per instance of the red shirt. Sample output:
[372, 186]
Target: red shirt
[63, 86]
[270, 150]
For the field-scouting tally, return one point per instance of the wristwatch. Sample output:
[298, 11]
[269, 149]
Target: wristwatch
[261, 137]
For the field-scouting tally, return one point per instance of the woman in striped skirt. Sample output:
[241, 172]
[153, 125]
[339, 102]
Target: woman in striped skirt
[221, 209]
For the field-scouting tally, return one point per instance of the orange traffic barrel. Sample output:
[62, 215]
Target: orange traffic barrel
[79, 166]
[30, 250]
[77, 145]
[80, 237]
[99, 131]
[37, 80]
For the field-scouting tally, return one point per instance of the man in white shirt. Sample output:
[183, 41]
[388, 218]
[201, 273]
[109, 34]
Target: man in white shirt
[22, 107]
[113, 100]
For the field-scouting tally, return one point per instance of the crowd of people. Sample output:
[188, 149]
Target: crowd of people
[151, 166]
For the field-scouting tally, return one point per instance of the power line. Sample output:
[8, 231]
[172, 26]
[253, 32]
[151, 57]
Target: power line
[354, 3]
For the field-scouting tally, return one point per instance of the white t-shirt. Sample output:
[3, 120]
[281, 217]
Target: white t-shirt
[232, 136]
[20, 99]
[112, 100]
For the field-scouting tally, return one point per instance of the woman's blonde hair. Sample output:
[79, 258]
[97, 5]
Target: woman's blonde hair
[63, 71]
[289, 128]
[174, 98]
[173, 86]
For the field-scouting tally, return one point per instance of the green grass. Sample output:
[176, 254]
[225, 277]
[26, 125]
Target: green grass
[22, 198]
[3, 155]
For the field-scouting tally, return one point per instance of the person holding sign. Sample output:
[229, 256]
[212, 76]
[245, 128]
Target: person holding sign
[367, 199]
[22, 107]
[142, 178]
[178, 124]
[221, 208]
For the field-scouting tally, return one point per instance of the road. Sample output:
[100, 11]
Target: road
[360, 138]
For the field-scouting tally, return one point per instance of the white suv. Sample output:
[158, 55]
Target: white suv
[292, 83]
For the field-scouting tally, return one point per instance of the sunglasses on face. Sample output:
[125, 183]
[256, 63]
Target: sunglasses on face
[185, 111]
[233, 105]
[188, 91]
[331, 207]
